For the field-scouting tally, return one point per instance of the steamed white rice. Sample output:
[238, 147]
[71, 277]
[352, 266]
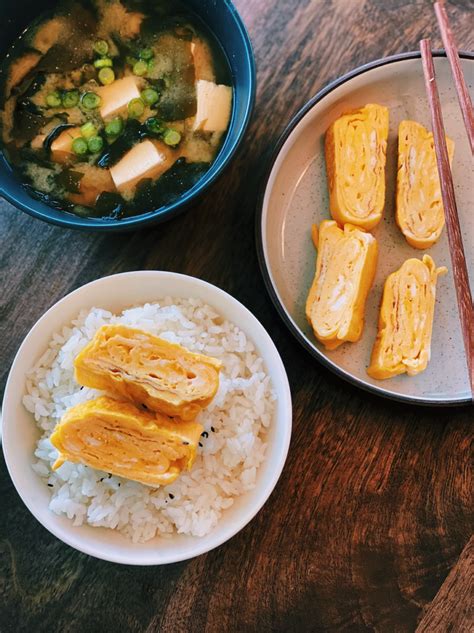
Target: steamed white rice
[235, 423]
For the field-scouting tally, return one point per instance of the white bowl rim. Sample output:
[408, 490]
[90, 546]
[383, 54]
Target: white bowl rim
[257, 497]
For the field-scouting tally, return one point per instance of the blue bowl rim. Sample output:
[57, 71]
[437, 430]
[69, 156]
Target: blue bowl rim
[271, 159]
[168, 211]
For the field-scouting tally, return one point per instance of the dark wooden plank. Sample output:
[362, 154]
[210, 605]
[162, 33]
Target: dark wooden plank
[374, 506]
[452, 609]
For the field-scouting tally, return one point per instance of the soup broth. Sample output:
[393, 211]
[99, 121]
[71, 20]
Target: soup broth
[112, 108]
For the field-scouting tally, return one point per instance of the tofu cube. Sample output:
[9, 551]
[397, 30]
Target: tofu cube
[145, 160]
[38, 141]
[115, 96]
[202, 58]
[214, 104]
[61, 147]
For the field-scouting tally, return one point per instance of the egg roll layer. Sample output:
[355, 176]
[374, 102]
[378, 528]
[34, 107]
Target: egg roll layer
[420, 212]
[356, 146]
[403, 343]
[345, 269]
[148, 370]
[118, 438]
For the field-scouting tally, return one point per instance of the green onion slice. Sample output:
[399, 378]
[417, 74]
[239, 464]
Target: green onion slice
[95, 144]
[140, 68]
[146, 54]
[171, 137]
[91, 100]
[79, 146]
[88, 130]
[101, 47]
[106, 76]
[103, 62]
[53, 99]
[70, 98]
[114, 127]
[136, 108]
[150, 96]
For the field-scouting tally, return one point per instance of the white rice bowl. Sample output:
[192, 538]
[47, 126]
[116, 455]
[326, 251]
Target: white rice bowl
[235, 424]
[20, 433]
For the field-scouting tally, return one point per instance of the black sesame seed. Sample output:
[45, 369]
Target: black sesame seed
[171, 496]
[110, 475]
[200, 444]
[51, 485]
[101, 479]
[118, 484]
[213, 429]
[185, 443]
[204, 434]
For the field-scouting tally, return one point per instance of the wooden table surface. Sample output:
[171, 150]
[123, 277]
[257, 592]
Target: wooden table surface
[374, 506]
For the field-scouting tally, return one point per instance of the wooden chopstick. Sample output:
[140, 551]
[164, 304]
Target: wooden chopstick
[458, 258]
[452, 52]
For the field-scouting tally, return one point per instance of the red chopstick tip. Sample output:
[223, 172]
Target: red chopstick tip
[425, 45]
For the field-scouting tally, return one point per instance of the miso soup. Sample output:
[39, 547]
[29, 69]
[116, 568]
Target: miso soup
[111, 108]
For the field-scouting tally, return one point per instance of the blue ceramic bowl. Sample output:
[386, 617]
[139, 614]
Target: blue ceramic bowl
[224, 21]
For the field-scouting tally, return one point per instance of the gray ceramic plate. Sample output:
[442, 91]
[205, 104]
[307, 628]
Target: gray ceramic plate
[295, 197]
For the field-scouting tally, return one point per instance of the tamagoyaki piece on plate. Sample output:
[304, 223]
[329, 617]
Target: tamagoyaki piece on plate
[403, 343]
[345, 270]
[356, 147]
[420, 212]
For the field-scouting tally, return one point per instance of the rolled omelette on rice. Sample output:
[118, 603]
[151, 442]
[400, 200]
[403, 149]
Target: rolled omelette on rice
[119, 438]
[420, 212]
[146, 369]
[345, 269]
[230, 450]
[403, 343]
[356, 146]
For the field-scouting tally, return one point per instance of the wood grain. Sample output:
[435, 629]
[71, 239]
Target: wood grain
[374, 506]
[453, 607]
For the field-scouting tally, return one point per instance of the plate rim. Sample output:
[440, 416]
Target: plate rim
[264, 267]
